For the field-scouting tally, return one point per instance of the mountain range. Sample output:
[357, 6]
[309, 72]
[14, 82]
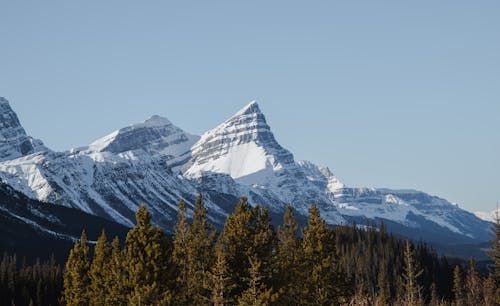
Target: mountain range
[157, 163]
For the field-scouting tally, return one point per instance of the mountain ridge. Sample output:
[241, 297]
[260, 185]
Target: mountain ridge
[158, 163]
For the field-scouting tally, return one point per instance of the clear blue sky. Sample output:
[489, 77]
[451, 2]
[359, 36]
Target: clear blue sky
[386, 93]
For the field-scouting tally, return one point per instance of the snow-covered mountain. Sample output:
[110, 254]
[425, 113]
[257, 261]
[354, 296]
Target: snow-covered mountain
[157, 163]
[490, 216]
[114, 175]
[244, 148]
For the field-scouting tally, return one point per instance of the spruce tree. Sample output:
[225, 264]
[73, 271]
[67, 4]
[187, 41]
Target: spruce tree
[98, 270]
[323, 283]
[289, 259]
[237, 241]
[115, 276]
[264, 244]
[458, 288]
[180, 256]
[220, 280]
[383, 286]
[412, 272]
[473, 285]
[200, 254]
[146, 262]
[76, 275]
[257, 293]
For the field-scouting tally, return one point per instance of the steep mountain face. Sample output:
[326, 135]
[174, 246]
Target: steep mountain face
[244, 149]
[114, 175]
[14, 142]
[156, 136]
[158, 163]
[31, 228]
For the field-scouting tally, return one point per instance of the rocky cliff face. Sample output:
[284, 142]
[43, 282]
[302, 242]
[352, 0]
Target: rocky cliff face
[14, 142]
[242, 146]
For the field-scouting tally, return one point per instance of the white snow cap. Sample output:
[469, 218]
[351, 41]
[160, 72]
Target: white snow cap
[250, 108]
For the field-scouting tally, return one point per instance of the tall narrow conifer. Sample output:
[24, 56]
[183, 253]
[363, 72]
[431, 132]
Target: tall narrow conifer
[76, 275]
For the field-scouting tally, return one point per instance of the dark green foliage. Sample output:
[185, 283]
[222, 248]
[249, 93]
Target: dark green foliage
[324, 282]
[289, 258]
[146, 262]
[201, 244]
[237, 244]
[180, 257]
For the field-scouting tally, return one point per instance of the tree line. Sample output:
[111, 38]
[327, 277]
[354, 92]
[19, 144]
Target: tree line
[21, 283]
[249, 262]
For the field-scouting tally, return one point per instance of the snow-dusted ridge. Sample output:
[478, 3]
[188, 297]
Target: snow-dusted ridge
[157, 163]
[490, 216]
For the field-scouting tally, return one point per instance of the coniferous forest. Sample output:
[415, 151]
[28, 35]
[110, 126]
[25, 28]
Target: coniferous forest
[249, 262]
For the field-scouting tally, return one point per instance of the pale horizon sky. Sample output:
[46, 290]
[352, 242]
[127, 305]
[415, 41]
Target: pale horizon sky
[386, 94]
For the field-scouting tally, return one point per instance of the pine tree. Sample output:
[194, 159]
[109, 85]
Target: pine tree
[383, 286]
[219, 278]
[257, 293]
[412, 288]
[201, 241]
[473, 285]
[264, 244]
[146, 262]
[323, 283]
[458, 288]
[115, 277]
[180, 256]
[289, 259]
[237, 241]
[489, 292]
[76, 275]
[98, 270]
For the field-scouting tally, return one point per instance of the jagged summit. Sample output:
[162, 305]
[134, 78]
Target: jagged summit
[250, 108]
[14, 142]
[3, 100]
[156, 135]
[240, 146]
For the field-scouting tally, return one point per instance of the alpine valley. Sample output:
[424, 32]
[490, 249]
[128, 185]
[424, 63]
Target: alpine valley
[157, 163]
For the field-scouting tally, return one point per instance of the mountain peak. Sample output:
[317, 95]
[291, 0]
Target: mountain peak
[4, 101]
[156, 121]
[250, 108]
[241, 146]
[14, 142]
[155, 135]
